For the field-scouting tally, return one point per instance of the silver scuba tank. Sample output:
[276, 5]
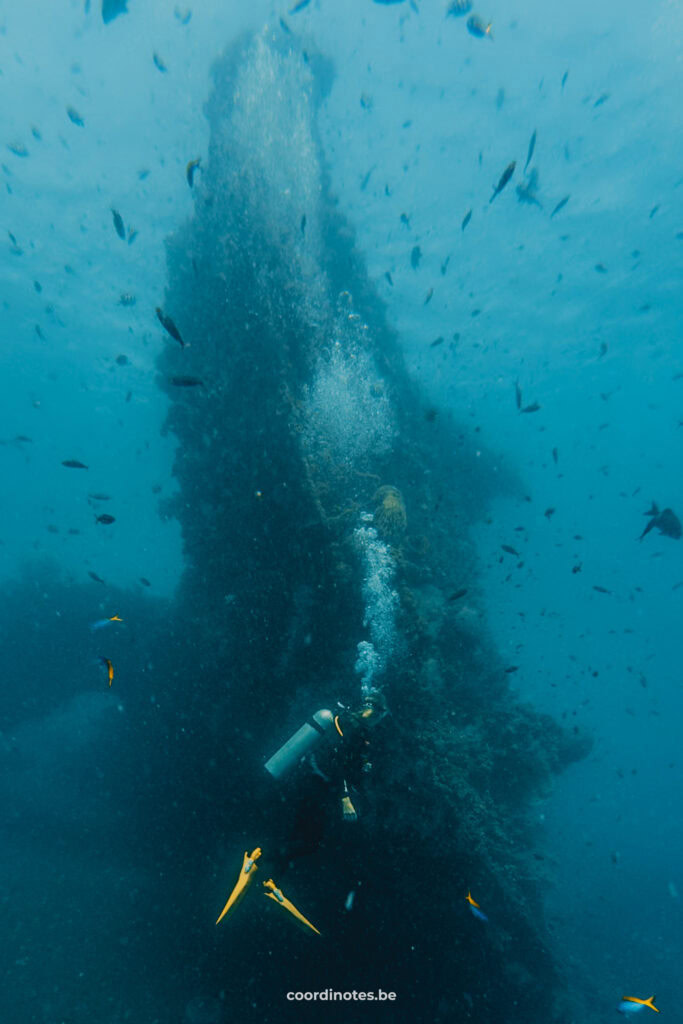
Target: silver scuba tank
[298, 746]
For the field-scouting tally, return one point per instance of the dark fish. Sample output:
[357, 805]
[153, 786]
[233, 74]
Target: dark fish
[145, 582]
[511, 668]
[127, 299]
[23, 439]
[405, 220]
[112, 8]
[187, 382]
[105, 519]
[555, 455]
[299, 7]
[18, 148]
[601, 590]
[38, 286]
[75, 117]
[122, 360]
[366, 179]
[192, 167]
[100, 497]
[654, 210]
[601, 99]
[437, 341]
[118, 224]
[509, 550]
[530, 151]
[458, 594]
[601, 268]
[415, 257]
[36, 134]
[158, 62]
[526, 192]
[132, 235]
[444, 266]
[74, 464]
[476, 27]
[549, 512]
[560, 206]
[534, 407]
[504, 178]
[96, 578]
[428, 296]
[39, 332]
[285, 27]
[457, 8]
[303, 224]
[168, 325]
[500, 99]
[565, 76]
[389, 278]
[667, 522]
[466, 219]
[518, 395]
[183, 16]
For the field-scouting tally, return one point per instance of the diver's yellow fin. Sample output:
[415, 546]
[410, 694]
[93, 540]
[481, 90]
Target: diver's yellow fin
[245, 878]
[651, 1003]
[279, 897]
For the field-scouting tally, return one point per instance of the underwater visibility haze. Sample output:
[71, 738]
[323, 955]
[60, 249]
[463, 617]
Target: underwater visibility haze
[340, 551]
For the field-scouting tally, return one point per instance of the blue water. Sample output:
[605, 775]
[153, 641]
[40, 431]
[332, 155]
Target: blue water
[579, 310]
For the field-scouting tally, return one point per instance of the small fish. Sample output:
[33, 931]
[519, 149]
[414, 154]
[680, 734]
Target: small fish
[145, 582]
[667, 522]
[192, 167]
[96, 578]
[105, 519]
[39, 331]
[101, 623]
[457, 8]
[560, 206]
[475, 908]
[405, 220]
[74, 464]
[534, 407]
[555, 455]
[75, 117]
[415, 257]
[389, 278]
[601, 590]
[601, 99]
[302, 226]
[444, 266]
[284, 26]
[36, 134]
[187, 382]
[366, 179]
[127, 299]
[23, 439]
[518, 395]
[654, 210]
[456, 595]
[530, 151]
[18, 148]
[631, 1004]
[112, 8]
[549, 512]
[348, 902]
[158, 62]
[601, 268]
[132, 235]
[109, 667]
[466, 219]
[118, 224]
[183, 16]
[526, 192]
[100, 497]
[299, 7]
[38, 286]
[504, 178]
[476, 27]
[565, 76]
[509, 550]
[428, 296]
[169, 326]
[366, 101]
[437, 341]
[510, 669]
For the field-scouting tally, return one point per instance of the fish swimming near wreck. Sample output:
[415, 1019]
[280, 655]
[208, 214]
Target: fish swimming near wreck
[504, 178]
[112, 8]
[667, 522]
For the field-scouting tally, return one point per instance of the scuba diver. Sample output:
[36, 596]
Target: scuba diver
[324, 766]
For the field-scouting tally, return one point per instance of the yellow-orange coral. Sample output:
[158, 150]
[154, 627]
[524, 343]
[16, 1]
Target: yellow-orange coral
[390, 513]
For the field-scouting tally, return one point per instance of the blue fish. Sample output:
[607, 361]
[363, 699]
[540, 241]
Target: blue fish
[631, 1004]
[101, 623]
[475, 908]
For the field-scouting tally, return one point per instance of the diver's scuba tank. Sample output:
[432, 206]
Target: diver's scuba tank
[319, 726]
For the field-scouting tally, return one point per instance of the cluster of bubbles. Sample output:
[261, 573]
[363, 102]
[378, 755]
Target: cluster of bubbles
[381, 602]
[348, 412]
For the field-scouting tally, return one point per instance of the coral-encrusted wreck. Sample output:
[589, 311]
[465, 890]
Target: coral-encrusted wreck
[325, 515]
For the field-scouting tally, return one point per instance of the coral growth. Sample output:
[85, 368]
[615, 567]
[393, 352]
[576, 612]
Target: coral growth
[390, 513]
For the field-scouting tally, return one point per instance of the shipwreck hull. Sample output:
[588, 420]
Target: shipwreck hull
[324, 506]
